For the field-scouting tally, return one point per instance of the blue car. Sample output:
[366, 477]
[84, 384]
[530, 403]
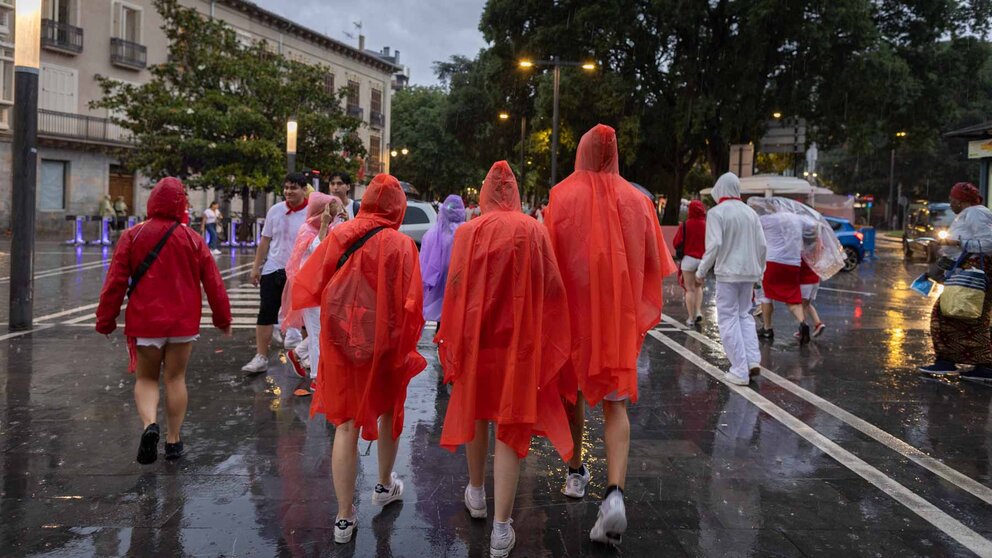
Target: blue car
[850, 239]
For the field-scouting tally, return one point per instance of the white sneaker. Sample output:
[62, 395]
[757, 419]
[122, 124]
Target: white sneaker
[293, 338]
[276, 335]
[382, 495]
[257, 365]
[689, 322]
[575, 484]
[475, 502]
[501, 544]
[611, 521]
[344, 528]
[215, 252]
[732, 378]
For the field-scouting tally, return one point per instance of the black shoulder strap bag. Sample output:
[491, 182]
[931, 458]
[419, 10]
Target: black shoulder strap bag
[680, 249]
[149, 259]
[354, 247]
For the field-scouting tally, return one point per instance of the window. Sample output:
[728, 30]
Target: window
[127, 22]
[51, 186]
[353, 91]
[329, 83]
[5, 18]
[59, 87]
[6, 85]
[58, 10]
[375, 152]
[376, 101]
[415, 216]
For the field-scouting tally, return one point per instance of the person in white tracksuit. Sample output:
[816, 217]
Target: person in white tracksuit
[735, 251]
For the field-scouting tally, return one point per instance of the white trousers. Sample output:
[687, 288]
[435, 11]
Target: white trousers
[737, 332]
[311, 318]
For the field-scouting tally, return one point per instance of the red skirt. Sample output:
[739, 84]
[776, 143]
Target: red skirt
[781, 283]
[807, 276]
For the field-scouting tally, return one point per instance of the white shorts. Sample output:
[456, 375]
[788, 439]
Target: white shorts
[689, 264]
[159, 342]
[809, 291]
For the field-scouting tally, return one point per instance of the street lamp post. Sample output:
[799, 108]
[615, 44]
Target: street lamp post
[504, 116]
[291, 130]
[555, 63]
[890, 207]
[27, 60]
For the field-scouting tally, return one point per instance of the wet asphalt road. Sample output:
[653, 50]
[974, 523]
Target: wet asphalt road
[839, 449]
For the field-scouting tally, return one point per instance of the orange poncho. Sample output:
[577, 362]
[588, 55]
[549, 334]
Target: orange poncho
[612, 258]
[370, 314]
[504, 326]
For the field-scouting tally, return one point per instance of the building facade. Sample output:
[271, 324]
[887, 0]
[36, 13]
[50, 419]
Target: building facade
[80, 148]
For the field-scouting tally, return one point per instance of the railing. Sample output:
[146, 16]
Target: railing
[61, 36]
[64, 125]
[128, 54]
[356, 111]
[377, 119]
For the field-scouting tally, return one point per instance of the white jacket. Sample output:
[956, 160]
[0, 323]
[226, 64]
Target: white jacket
[735, 242]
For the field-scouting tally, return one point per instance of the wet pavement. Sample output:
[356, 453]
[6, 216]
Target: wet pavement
[840, 448]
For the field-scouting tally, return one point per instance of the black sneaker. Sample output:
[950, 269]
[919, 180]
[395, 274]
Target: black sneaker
[174, 451]
[766, 333]
[803, 333]
[148, 447]
[979, 373]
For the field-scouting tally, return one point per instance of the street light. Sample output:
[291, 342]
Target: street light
[776, 115]
[555, 63]
[291, 129]
[504, 116]
[890, 207]
[523, 140]
[393, 153]
[27, 61]
[405, 151]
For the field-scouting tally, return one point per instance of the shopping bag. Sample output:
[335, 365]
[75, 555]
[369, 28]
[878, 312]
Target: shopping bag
[964, 292]
[922, 285]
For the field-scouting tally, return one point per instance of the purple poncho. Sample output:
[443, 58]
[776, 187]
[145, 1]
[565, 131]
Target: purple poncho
[435, 254]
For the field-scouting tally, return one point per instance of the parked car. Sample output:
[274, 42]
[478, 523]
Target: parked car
[420, 216]
[850, 239]
[923, 227]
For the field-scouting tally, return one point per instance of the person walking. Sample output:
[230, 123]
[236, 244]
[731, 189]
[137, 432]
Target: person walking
[969, 243]
[809, 285]
[504, 341]
[121, 210]
[735, 252]
[613, 258]
[324, 212]
[690, 239]
[208, 228]
[435, 254]
[160, 265]
[365, 277]
[781, 281]
[268, 271]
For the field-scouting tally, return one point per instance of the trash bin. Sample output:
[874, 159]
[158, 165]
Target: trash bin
[869, 241]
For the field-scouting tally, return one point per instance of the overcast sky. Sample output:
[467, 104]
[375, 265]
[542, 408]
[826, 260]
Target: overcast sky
[423, 30]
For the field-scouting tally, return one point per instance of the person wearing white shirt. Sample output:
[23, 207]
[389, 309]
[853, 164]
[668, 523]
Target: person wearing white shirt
[340, 186]
[209, 226]
[735, 251]
[268, 271]
[782, 278]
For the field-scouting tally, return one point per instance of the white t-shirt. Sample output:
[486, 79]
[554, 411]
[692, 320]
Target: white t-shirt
[210, 216]
[349, 207]
[784, 238]
[973, 229]
[282, 229]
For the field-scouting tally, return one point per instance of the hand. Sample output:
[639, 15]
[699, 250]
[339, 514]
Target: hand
[255, 276]
[343, 215]
[701, 280]
[326, 217]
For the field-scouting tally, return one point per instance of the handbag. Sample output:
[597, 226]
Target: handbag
[680, 249]
[964, 291]
[149, 260]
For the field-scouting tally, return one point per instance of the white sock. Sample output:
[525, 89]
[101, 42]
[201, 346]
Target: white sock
[501, 529]
[477, 492]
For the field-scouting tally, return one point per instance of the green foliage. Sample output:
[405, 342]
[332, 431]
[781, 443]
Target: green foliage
[215, 113]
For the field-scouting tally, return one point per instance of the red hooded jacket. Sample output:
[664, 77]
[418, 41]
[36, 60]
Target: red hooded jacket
[693, 234]
[167, 301]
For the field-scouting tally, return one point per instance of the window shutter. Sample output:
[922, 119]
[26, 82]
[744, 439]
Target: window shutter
[117, 10]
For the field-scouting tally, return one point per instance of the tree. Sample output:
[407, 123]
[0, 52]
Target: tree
[215, 113]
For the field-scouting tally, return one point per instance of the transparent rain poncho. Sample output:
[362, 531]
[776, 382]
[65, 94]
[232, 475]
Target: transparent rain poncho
[822, 251]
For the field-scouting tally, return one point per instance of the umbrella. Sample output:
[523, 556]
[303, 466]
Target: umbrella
[643, 190]
[409, 190]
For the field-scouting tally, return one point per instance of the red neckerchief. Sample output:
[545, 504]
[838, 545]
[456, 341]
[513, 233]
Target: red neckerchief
[725, 199]
[295, 209]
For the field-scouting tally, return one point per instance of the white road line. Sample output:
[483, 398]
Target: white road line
[55, 273]
[846, 291]
[72, 267]
[67, 312]
[908, 451]
[929, 512]
[25, 332]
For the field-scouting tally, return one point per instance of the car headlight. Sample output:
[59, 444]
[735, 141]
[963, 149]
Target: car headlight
[942, 235]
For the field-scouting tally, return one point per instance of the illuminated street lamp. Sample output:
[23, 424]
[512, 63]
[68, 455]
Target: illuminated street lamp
[555, 63]
[504, 116]
[27, 61]
[291, 129]
[776, 115]
[890, 207]
[405, 151]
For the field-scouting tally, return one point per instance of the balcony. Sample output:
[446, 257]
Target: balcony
[356, 111]
[61, 37]
[79, 128]
[128, 55]
[377, 119]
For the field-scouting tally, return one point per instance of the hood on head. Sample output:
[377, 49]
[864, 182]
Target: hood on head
[499, 191]
[385, 201]
[598, 151]
[316, 203]
[451, 211]
[697, 210]
[727, 186]
[167, 200]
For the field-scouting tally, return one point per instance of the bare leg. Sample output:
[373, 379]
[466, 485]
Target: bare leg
[766, 314]
[691, 294]
[263, 338]
[387, 447]
[146, 383]
[344, 466]
[476, 452]
[577, 422]
[810, 311]
[506, 473]
[176, 358]
[617, 435]
[797, 311]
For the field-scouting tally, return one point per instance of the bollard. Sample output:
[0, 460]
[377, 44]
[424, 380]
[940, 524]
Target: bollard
[232, 232]
[105, 231]
[869, 241]
[77, 229]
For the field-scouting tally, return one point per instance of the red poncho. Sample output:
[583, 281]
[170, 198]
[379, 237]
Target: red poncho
[370, 314]
[612, 258]
[504, 335]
